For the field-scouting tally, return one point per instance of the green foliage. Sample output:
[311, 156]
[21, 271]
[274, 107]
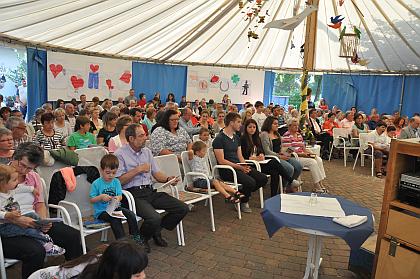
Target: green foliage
[19, 72]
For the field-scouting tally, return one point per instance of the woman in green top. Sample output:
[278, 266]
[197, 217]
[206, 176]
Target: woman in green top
[82, 138]
[358, 128]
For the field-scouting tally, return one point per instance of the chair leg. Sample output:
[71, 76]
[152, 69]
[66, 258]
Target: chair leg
[238, 206]
[178, 236]
[104, 236]
[331, 150]
[280, 184]
[2, 264]
[181, 229]
[213, 226]
[372, 164]
[262, 197]
[345, 156]
[357, 157]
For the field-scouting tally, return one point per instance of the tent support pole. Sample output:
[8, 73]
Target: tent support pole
[402, 94]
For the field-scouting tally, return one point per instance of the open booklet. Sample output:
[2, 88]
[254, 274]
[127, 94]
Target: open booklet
[112, 209]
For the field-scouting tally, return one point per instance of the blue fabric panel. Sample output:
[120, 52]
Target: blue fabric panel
[150, 78]
[339, 90]
[382, 92]
[268, 86]
[37, 79]
[411, 100]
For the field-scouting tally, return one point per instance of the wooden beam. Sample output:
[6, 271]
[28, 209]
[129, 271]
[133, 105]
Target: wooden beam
[310, 38]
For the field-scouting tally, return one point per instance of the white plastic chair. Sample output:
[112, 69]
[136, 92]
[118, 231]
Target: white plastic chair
[170, 166]
[215, 173]
[364, 145]
[340, 139]
[196, 138]
[280, 177]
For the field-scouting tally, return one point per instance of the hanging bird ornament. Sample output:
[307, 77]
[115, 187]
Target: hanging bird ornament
[357, 32]
[355, 58]
[336, 19]
[335, 26]
[340, 2]
[363, 62]
[342, 33]
[292, 22]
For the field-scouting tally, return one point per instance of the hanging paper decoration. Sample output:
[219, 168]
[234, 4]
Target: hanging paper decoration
[293, 22]
[235, 79]
[93, 77]
[214, 79]
[126, 77]
[255, 14]
[336, 19]
[349, 45]
[342, 33]
[340, 2]
[357, 32]
[363, 62]
[56, 69]
[109, 84]
[77, 82]
[335, 26]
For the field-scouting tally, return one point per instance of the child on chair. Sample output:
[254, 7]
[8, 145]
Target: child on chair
[106, 190]
[204, 136]
[10, 209]
[197, 157]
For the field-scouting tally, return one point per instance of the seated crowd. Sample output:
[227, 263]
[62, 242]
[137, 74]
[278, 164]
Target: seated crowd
[134, 131]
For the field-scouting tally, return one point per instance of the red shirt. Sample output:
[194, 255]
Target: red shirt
[328, 126]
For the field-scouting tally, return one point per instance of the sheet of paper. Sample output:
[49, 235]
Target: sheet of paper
[169, 182]
[324, 207]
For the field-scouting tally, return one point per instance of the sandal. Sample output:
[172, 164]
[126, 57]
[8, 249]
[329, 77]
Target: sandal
[379, 174]
[238, 195]
[232, 199]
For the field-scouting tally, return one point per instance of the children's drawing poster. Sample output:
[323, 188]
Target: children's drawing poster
[213, 82]
[70, 75]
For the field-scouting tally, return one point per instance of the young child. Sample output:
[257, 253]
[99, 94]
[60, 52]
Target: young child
[10, 209]
[106, 189]
[197, 157]
[204, 136]
[82, 138]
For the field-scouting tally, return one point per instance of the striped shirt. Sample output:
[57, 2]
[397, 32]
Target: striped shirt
[47, 142]
[296, 143]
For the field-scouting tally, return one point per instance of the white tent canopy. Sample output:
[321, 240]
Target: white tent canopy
[214, 32]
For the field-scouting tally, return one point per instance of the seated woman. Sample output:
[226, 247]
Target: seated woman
[108, 131]
[47, 137]
[358, 127]
[252, 149]
[6, 145]
[399, 124]
[82, 138]
[330, 124]
[380, 142]
[96, 120]
[61, 125]
[150, 118]
[168, 138]
[116, 142]
[204, 117]
[293, 140]
[220, 123]
[271, 142]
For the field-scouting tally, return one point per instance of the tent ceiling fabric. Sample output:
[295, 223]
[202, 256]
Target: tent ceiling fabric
[214, 32]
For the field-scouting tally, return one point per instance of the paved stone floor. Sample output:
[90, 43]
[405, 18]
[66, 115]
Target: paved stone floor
[242, 248]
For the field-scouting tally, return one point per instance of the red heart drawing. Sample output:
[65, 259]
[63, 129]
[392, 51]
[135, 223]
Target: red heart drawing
[109, 84]
[94, 68]
[126, 77]
[76, 82]
[56, 69]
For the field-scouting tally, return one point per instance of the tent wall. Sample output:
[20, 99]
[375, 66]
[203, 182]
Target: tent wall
[268, 86]
[151, 78]
[37, 79]
[368, 91]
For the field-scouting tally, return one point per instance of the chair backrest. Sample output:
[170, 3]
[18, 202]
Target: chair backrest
[80, 196]
[169, 165]
[212, 157]
[363, 140]
[196, 138]
[340, 132]
[185, 162]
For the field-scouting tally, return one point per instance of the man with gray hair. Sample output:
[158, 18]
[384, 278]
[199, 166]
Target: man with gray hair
[412, 130]
[348, 122]
[186, 123]
[18, 127]
[70, 117]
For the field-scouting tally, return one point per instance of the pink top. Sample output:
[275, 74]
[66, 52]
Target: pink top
[33, 179]
[296, 143]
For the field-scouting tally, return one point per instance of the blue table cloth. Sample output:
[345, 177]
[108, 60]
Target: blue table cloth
[354, 237]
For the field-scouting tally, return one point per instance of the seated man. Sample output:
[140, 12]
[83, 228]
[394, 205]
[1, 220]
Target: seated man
[412, 130]
[320, 135]
[186, 123]
[227, 149]
[136, 168]
[380, 142]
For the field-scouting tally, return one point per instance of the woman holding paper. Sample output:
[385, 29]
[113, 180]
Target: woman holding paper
[294, 140]
[252, 149]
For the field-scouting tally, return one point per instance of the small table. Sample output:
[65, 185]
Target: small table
[317, 227]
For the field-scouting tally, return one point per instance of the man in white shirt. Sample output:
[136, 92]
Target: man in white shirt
[259, 115]
[319, 134]
[22, 98]
[69, 108]
[82, 102]
[348, 122]
[380, 142]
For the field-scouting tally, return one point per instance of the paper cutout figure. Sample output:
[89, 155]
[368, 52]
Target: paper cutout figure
[245, 87]
[109, 84]
[126, 77]
[355, 59]
[202, 84]
[77, 82]
[342, 33]
[357, 31]
[56, 69]
[214, 79]
[93, 80]
[235, 79]
[336, 19]
[340, 2]
[292, 22]
[335, 26]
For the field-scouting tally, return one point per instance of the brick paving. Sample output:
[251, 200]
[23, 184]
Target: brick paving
[242, 248]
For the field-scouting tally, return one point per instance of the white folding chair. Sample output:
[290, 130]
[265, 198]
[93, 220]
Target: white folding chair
[196, 138]
[215, 173]
[364, 145]
[169, 164]
[5, 262]
[340, 141]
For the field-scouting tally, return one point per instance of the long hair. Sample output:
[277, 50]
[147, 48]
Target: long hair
[164, 120]
[120, 260]
[252, 140]
[91, 256]
[268, 123]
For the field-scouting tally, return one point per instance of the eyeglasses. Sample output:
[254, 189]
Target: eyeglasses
[25, 167]
[6, 140]
[174, 119]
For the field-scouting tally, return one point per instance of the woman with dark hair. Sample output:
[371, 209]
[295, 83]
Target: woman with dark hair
[82, 138]
[183, 102]
[204, 122]
[142, 100]
[60, 104]
[252, 149]
[170, 98]
[359, 126]
[323, 105]
[117, 141]
[121, 260]
[108, 131]
[5, 113]
[271, 142]
[167, 137]
[157, 99]
[399, 124]
[48, 138]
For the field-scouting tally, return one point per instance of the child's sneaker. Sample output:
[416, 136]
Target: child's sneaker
[139, 239]
[54, 250]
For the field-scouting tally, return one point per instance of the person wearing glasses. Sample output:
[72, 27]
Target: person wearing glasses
[186, 123]
[168, 137]
[18, 127]
[6, 145]
[30, 252]
[136, 169]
